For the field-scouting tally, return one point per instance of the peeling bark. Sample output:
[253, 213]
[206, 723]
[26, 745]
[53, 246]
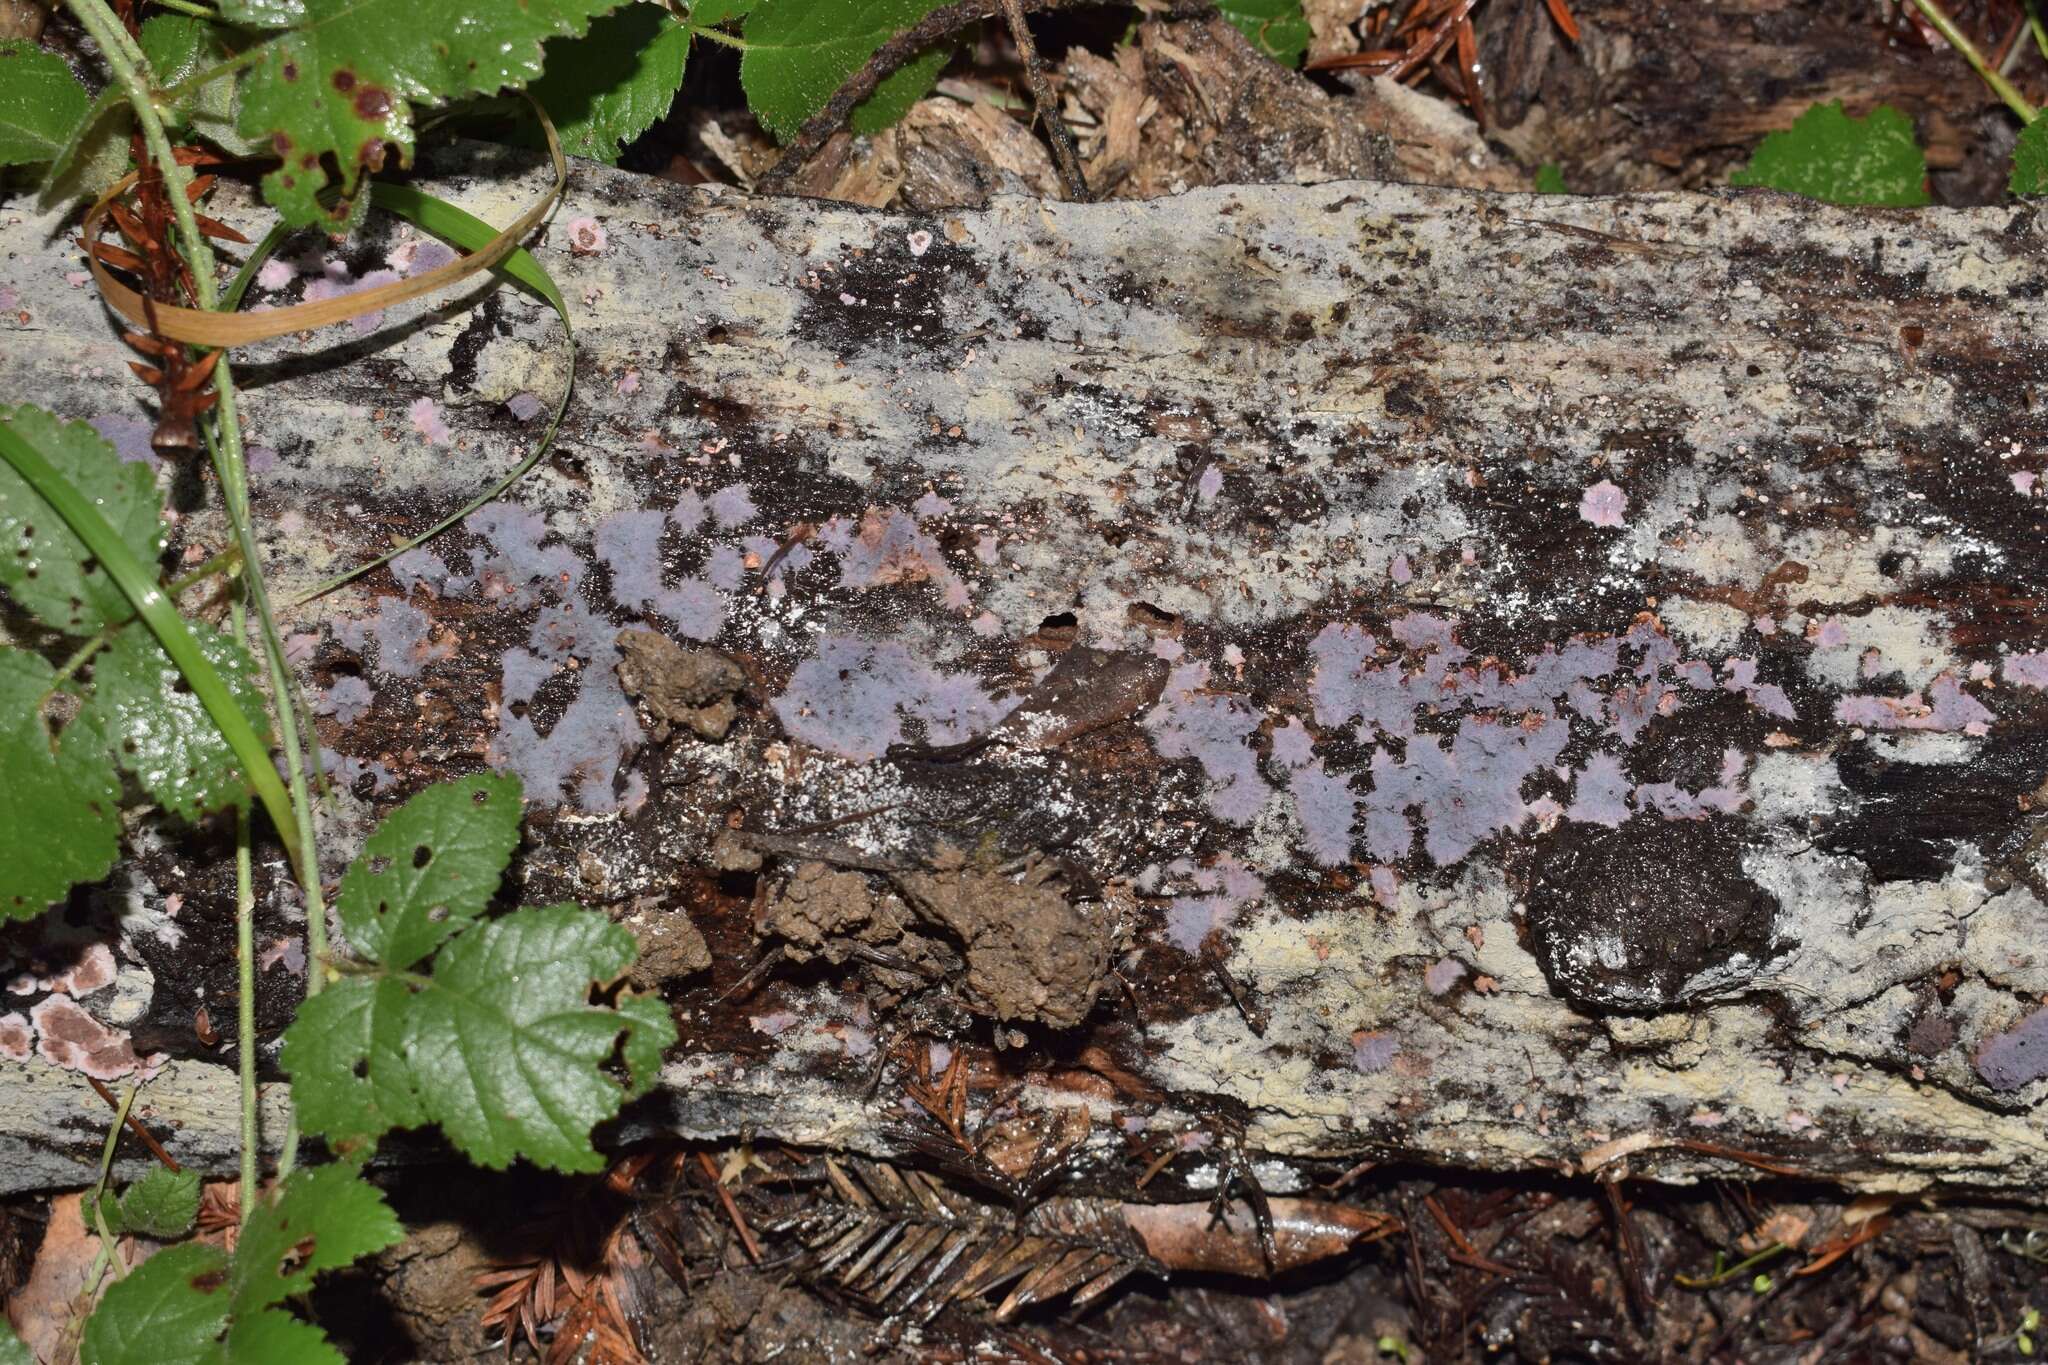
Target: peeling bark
[1433, 546]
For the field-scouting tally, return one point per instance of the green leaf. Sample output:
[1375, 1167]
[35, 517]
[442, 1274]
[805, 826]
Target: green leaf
[274, 1338]
[94, 154]
[1277, 28]
[800, 51]
[342, 77]
[44, 566]
[2030, 160]
[12, 1351]
[179, 47]
[60, 800]
[499, 1047]
[137, 582]
[712, 13]
[1550, 179]
[193, 1304]
[163, 734]
[652, 1032]
[170, 1310]
[322, 1218]
[1829, 156]
[163, 1205]
[40, 103]
[614, 83]
[430, 868]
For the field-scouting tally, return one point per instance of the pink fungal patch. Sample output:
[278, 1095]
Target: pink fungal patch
[1603, 504]
[775, 1023]
[275, 274]
[2023, 482]
[426, 420]
[68, 1037]
[586, 236]
[93, 971]
[17, 1038]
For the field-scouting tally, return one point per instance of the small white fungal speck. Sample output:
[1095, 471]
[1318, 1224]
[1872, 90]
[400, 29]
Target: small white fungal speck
[920, 242]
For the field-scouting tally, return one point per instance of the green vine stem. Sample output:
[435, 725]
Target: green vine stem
[1960, 41]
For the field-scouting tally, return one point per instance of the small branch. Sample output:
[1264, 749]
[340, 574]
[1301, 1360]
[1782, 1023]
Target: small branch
[1960, 41]
[135, 1126]
[1064, 154]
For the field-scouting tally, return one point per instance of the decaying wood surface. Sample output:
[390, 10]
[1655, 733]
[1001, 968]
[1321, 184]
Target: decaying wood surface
[1384, 673]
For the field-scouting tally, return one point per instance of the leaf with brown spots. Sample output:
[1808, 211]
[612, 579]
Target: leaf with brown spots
[334, 86]
[194, 1302]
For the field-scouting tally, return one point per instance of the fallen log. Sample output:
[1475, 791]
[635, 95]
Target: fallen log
[1525, 683]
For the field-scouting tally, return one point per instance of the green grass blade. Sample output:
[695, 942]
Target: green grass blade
[138, 583]
[467, 231]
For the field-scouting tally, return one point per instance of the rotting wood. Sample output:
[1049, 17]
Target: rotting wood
[1462, 525]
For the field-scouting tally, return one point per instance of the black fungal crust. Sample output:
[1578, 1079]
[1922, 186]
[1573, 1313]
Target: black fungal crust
[1624, 919]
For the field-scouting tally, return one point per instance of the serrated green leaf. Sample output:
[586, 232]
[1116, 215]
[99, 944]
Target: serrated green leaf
[1829, 156]
[163, 1205]
[615, 82]
[40, 103]
[1550, 179]
[170, 1310]
[138, 582]
[352, 1082]
[162, 733]
[179, 47]
[712, 13]
[2030, 159]
[652, 1032]
[500, 1047]
[342, 77]
[94, 155]
[323, 1218]
[274, 1338]
[44, 566]
[800, 51]
[432, 866]
[12, 1350]
[1277, 28]
[193, 1304]
[904, 87]
[58, 806]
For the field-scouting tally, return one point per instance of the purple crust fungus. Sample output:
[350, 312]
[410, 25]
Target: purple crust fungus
[2016, 1057]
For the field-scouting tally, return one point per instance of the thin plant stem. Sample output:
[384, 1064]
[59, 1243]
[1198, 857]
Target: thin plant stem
[245, 1009]
[187, 7]
[107, 1254]
[2039, 29]
[224, 440]
[1960, 41]
[131, 72]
